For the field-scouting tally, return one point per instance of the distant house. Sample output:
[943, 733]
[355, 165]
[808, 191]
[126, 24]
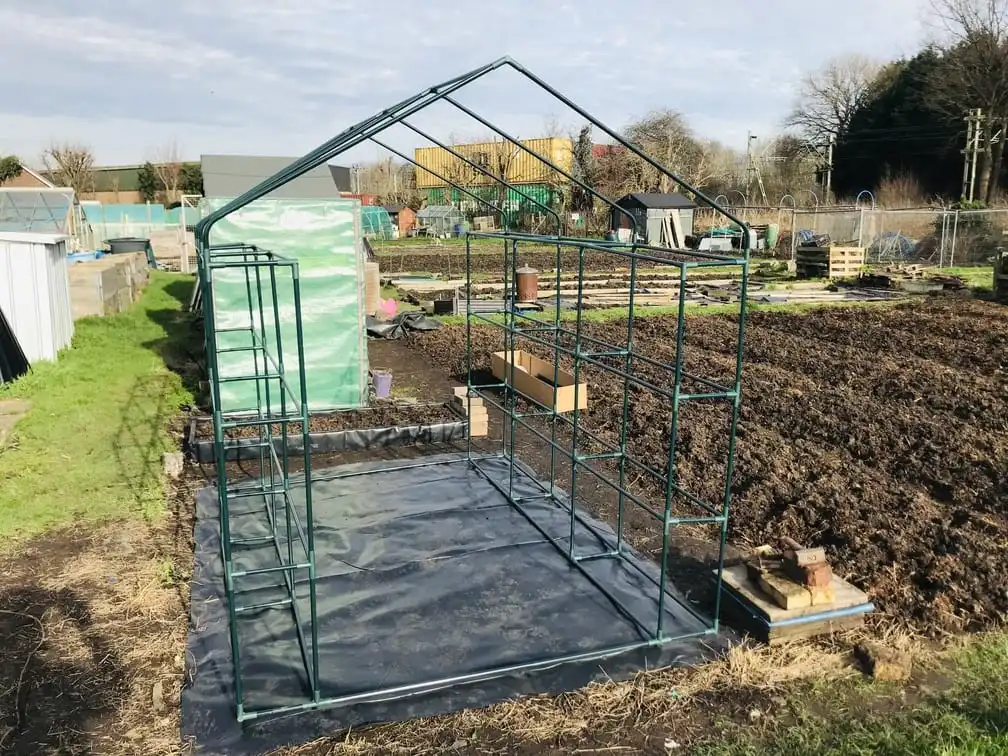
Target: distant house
[600, 151]
[403, 218]
[652, 214]
[232, 175]
[28, 179]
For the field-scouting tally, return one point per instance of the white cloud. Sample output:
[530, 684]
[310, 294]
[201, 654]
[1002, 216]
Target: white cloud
[269, 77]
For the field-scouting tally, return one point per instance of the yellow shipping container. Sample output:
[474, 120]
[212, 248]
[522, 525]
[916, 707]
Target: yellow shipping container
[500, 158]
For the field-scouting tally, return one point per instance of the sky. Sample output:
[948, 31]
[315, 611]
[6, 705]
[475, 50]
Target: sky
[131, 77]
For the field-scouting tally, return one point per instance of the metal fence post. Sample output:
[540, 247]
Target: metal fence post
[955, 231]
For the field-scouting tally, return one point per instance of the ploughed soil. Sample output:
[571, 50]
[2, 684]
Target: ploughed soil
[453, 263]
[878, 433]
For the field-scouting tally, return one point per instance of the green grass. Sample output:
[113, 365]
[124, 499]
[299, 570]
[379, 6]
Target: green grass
[90, 447]
[977, 277]
[693, 309]
[969, 715]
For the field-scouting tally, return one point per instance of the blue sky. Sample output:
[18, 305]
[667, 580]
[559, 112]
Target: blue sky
[271, 77]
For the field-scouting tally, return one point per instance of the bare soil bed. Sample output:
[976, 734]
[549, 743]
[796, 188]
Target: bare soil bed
[453, 264]
[380, 415]
[879, 433]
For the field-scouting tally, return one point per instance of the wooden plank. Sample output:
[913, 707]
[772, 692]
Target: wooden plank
[786, 593]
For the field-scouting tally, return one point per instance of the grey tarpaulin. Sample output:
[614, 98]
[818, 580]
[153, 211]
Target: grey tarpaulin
[423, 573]
[400, 325]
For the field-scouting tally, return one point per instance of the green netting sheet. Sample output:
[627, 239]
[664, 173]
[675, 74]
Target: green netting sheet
[324, 237]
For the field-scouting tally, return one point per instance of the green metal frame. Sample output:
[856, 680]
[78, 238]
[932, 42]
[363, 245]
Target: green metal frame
[548, 335]
[278, 405]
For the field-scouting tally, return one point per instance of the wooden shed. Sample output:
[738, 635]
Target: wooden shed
[663, 220]
[403, 218]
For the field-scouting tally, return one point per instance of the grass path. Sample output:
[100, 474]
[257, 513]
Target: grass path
[90, 447]
[964, 711]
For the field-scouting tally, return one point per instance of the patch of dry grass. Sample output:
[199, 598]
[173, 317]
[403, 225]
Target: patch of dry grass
[100, 636]
[675, 702]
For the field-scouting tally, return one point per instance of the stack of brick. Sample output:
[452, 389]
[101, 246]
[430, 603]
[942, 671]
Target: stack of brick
[474, 410]
[793, 577]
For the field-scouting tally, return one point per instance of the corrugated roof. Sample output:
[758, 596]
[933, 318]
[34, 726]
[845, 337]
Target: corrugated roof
[656, 201]
[233, 175]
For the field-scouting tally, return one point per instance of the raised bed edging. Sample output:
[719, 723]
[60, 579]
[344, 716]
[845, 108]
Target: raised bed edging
[202, 450]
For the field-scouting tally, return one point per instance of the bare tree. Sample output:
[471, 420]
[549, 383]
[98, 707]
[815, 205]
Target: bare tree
[974, 74]
[71, 165]
[168, 167]
[664, 136]
[827, 98]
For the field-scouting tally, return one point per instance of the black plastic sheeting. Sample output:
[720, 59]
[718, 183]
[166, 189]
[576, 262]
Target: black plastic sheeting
[13, 363]
[423, 573]
[400, 325]
[362, 439]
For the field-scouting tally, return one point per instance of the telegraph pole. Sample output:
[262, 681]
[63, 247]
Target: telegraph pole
[748, 162]
[977, 127]
[829, 168]
[967, 153]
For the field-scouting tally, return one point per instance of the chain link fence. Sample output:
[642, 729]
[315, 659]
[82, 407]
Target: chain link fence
[933, 236]
[973, 237]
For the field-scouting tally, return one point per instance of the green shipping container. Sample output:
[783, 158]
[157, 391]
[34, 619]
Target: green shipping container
[324, 236]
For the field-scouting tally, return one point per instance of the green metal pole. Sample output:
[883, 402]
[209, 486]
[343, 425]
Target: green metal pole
[468, 362]
[627, 367]
[222, 489]
[255, 368]
[556, 371]
[510, 335]
[670, 475]
[577, 412]
[309, 513]
[730, 468]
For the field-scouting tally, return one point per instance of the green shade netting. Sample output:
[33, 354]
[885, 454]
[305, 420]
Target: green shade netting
[324, 237]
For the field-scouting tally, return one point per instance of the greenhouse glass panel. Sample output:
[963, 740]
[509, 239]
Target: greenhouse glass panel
[42, 211]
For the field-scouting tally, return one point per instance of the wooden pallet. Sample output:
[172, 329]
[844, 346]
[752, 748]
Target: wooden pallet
[829, 262]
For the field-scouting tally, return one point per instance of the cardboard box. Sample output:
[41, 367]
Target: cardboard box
[533, 378]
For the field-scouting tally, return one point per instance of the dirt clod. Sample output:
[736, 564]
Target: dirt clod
[884, 663]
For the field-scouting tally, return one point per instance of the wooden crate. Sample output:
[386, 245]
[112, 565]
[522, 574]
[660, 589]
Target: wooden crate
[533, 378]
[829, 262]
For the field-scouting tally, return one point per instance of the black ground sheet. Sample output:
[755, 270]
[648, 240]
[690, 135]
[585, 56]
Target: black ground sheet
[424, 573]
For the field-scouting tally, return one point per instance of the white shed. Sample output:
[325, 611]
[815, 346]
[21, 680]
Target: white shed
[35, 293]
